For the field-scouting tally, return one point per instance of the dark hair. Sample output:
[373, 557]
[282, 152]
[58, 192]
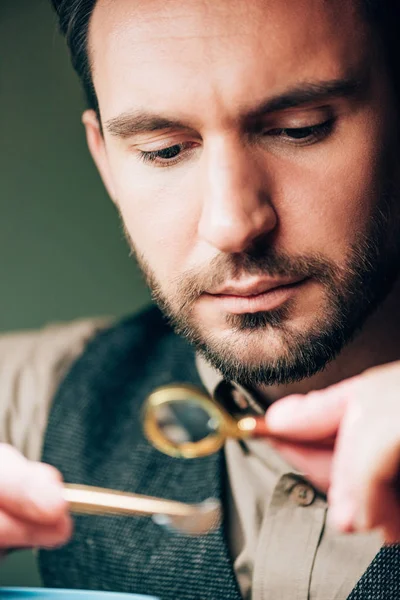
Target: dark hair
[74, 17]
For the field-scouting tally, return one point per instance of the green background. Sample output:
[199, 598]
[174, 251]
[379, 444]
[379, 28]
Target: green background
[63, 254]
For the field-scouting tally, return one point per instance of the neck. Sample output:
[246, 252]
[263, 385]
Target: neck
[377, 343]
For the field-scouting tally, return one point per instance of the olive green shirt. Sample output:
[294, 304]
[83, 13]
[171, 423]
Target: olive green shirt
[281, 545]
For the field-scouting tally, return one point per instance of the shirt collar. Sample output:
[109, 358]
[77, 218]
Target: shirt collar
[233, 396]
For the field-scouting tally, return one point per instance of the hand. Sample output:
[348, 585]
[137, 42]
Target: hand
[33, 512]
[346, 439]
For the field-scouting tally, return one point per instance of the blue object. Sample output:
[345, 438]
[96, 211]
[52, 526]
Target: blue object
[50, 594]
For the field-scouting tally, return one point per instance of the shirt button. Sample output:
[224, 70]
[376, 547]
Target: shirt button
[303, 494]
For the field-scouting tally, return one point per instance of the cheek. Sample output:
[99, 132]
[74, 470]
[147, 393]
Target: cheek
[160, 212]
[327, 202]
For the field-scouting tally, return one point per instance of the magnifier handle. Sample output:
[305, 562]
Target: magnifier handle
[256, 427]
[253, 427]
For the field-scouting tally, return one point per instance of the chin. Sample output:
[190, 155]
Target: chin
[251, 344]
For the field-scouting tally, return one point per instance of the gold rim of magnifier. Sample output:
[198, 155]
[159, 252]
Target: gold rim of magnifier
[227, 426]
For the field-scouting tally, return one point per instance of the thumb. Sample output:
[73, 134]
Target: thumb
[308, 418]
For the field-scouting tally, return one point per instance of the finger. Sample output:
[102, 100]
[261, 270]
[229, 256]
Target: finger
[382, 504]
[31, 491]
[309, 418]
[15, 533]
[364, 467]
[384, 514]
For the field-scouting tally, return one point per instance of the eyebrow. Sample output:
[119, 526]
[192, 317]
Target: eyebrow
[134, 123]
[311, 93]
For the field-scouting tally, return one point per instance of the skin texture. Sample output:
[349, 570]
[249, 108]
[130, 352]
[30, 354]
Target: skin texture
[242, 181]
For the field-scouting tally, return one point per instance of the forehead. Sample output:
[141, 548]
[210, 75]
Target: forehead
[182, 54]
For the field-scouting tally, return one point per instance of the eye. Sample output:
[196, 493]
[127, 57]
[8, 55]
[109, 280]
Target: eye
[303, 135]
[166, 156]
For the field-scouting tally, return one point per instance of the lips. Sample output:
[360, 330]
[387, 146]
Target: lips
[253, 296]
[253, 288]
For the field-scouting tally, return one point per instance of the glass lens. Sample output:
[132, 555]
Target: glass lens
[185, 421]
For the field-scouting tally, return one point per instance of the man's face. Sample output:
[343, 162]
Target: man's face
[247, 146]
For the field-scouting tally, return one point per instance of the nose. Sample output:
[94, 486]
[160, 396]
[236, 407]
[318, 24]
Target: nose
[236, 204]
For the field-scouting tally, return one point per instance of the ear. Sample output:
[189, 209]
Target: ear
[95, 141]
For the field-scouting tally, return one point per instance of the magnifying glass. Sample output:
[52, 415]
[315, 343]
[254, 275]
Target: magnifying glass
[182, 421]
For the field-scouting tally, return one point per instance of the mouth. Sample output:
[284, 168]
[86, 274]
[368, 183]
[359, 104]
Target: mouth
[255, 295]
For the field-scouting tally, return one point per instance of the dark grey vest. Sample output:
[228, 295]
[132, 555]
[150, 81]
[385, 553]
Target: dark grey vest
[95, 437]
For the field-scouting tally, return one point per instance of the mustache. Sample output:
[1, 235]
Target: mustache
[224, 267]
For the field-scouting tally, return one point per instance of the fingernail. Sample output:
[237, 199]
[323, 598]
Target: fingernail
[341, 516]
[278, 417]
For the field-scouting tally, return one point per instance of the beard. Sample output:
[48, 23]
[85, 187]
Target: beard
[352, 292]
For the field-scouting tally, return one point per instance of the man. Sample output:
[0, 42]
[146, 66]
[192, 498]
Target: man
[251, 149]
